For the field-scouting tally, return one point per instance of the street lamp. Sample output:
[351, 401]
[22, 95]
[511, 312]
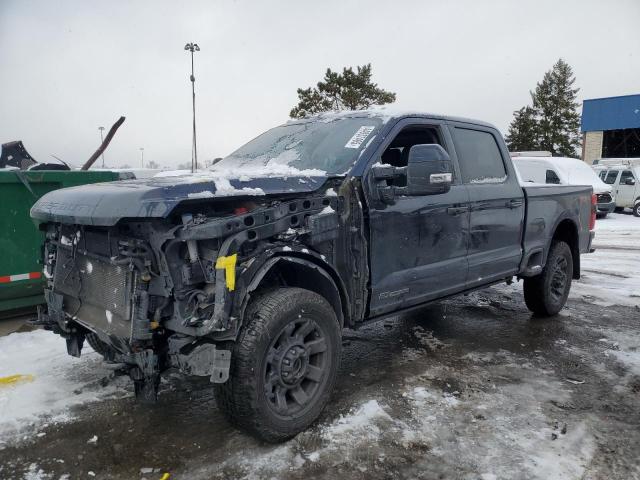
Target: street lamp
[101, 141]
[142, 157]
[193, 47]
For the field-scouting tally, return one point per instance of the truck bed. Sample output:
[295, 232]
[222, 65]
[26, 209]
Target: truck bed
[547, 206]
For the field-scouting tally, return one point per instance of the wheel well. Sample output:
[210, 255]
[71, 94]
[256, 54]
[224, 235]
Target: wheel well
[567, 231]
[294, 272]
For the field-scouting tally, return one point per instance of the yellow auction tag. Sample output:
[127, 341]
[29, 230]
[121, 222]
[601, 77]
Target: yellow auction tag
[229, 265]
[13, 379]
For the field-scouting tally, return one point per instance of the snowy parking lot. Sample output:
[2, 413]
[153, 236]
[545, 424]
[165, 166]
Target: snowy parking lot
[472, 388]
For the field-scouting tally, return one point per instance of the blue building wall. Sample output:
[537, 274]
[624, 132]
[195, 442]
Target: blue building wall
[612, 113]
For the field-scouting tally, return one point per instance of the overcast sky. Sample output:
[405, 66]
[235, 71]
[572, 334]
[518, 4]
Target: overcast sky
[68, 67]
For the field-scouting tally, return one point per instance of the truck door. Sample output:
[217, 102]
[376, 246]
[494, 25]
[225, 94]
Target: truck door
[496, 200]
[418, 244]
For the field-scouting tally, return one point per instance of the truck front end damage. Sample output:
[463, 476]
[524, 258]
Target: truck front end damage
[154, 294]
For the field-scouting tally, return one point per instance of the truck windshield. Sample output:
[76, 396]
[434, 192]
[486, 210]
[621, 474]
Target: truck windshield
[324, 146]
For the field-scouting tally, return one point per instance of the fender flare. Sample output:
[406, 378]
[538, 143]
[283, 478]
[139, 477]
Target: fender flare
[251, 278]
[576, 255]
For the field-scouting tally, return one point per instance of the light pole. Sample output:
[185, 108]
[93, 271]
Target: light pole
[101, 141]
[142, 157]
[193, 47]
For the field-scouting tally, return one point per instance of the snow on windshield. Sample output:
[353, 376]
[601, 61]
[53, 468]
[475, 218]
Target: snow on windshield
[315, 146]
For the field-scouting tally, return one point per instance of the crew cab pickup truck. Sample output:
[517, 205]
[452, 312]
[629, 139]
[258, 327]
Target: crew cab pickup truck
[249, 272]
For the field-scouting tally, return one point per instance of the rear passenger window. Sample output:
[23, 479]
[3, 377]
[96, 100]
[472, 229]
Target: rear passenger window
[552, 177]
[602, 174]
[610, 179]
[479, 156]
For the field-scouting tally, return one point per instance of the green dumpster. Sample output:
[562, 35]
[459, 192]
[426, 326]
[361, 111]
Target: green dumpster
[21, 280]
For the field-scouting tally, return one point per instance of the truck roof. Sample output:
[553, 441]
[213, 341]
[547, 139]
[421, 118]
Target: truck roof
[386, 114]
[618, 162]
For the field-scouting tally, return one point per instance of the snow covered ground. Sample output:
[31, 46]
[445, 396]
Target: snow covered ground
[611, 275]
[54, 383]
[477, 391]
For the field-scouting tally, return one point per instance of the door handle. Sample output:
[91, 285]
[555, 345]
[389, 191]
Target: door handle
[515, 203]
[457, 210]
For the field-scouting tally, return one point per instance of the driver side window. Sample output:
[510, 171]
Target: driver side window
[397, 153]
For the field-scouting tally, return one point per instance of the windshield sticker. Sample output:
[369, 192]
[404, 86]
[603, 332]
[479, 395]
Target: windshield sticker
[359, 137]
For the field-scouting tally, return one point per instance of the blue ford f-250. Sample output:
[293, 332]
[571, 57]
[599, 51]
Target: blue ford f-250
[248, 273]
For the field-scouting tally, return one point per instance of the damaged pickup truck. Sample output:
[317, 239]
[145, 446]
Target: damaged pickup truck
[248, 273]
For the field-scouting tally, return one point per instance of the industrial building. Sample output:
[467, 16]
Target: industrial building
[611, 128]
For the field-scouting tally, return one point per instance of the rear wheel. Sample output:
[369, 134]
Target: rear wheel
[636, 209]
[283, 365]
[546, 293]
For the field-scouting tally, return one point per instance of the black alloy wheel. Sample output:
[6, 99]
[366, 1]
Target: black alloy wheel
[296, 366]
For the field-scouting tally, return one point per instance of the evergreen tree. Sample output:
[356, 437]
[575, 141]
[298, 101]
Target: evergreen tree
[523, 132]
[554, 100]
[348, 90]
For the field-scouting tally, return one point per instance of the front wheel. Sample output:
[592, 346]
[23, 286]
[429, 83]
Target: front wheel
[546, 293]
[636, 209]
[283, 364]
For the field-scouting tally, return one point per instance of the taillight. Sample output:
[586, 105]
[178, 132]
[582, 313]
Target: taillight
[592, 220]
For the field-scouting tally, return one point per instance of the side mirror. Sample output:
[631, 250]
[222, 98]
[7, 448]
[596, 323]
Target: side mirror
[429, 170]
[630, 181]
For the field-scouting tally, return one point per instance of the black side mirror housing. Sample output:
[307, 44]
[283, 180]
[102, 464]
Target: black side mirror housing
[630, 181]
[429, 170]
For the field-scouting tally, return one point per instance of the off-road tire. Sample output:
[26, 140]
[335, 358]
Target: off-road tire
[542, 293]
[601, 215]
[247, 398]
[636, 209]
[98, 345]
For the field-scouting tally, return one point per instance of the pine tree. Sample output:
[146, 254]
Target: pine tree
[347, 91]
[554, 100]
[523, 132]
